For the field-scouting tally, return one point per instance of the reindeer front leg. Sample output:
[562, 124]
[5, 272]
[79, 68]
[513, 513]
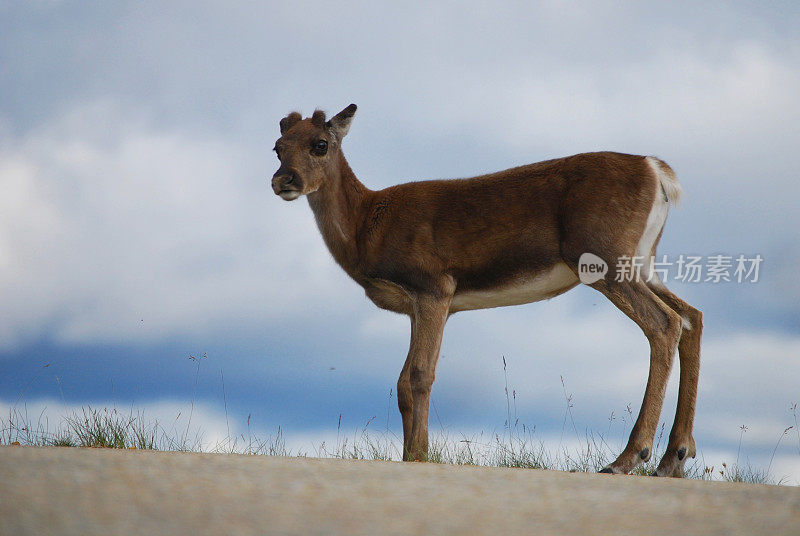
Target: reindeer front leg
[416, 380]
[405, 399]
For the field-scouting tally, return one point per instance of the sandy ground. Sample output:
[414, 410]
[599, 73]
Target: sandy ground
[92, 491]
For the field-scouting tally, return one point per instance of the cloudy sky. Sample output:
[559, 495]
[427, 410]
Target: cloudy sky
[137, 226]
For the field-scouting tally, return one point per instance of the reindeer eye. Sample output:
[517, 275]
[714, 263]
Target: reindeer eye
[320, 147]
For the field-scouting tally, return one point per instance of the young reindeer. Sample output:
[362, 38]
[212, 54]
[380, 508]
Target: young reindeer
[430, 249]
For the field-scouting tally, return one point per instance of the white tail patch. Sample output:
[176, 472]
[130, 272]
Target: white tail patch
[669, 187]
[666, 177]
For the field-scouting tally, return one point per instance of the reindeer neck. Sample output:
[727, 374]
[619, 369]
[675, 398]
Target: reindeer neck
[338, 209]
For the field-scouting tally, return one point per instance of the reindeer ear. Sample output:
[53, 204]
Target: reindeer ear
[340, 123]
[289, 121]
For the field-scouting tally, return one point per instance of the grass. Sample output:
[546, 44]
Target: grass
[110, 428]
[516, 447]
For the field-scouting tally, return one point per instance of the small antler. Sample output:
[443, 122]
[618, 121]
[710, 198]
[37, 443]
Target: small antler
[318, 119]
[289, 121]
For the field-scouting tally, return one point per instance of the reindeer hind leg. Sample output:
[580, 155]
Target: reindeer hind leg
[681, 442]
[662, 326]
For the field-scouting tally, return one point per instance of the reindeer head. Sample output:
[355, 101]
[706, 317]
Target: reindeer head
[309, 151]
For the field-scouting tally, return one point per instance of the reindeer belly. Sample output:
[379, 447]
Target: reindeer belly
[540, 286]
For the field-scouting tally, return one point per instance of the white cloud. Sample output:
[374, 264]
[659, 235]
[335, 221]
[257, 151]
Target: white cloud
[152, 219]
[112, 229]
[113, 218]
[384, 326]
[683, 102]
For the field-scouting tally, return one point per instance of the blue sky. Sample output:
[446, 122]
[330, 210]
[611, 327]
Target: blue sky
[137, 226]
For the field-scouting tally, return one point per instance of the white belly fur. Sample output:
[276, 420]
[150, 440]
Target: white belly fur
[542, 286]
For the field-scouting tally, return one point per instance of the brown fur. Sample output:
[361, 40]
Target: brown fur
[289, 121]
[417, 247]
